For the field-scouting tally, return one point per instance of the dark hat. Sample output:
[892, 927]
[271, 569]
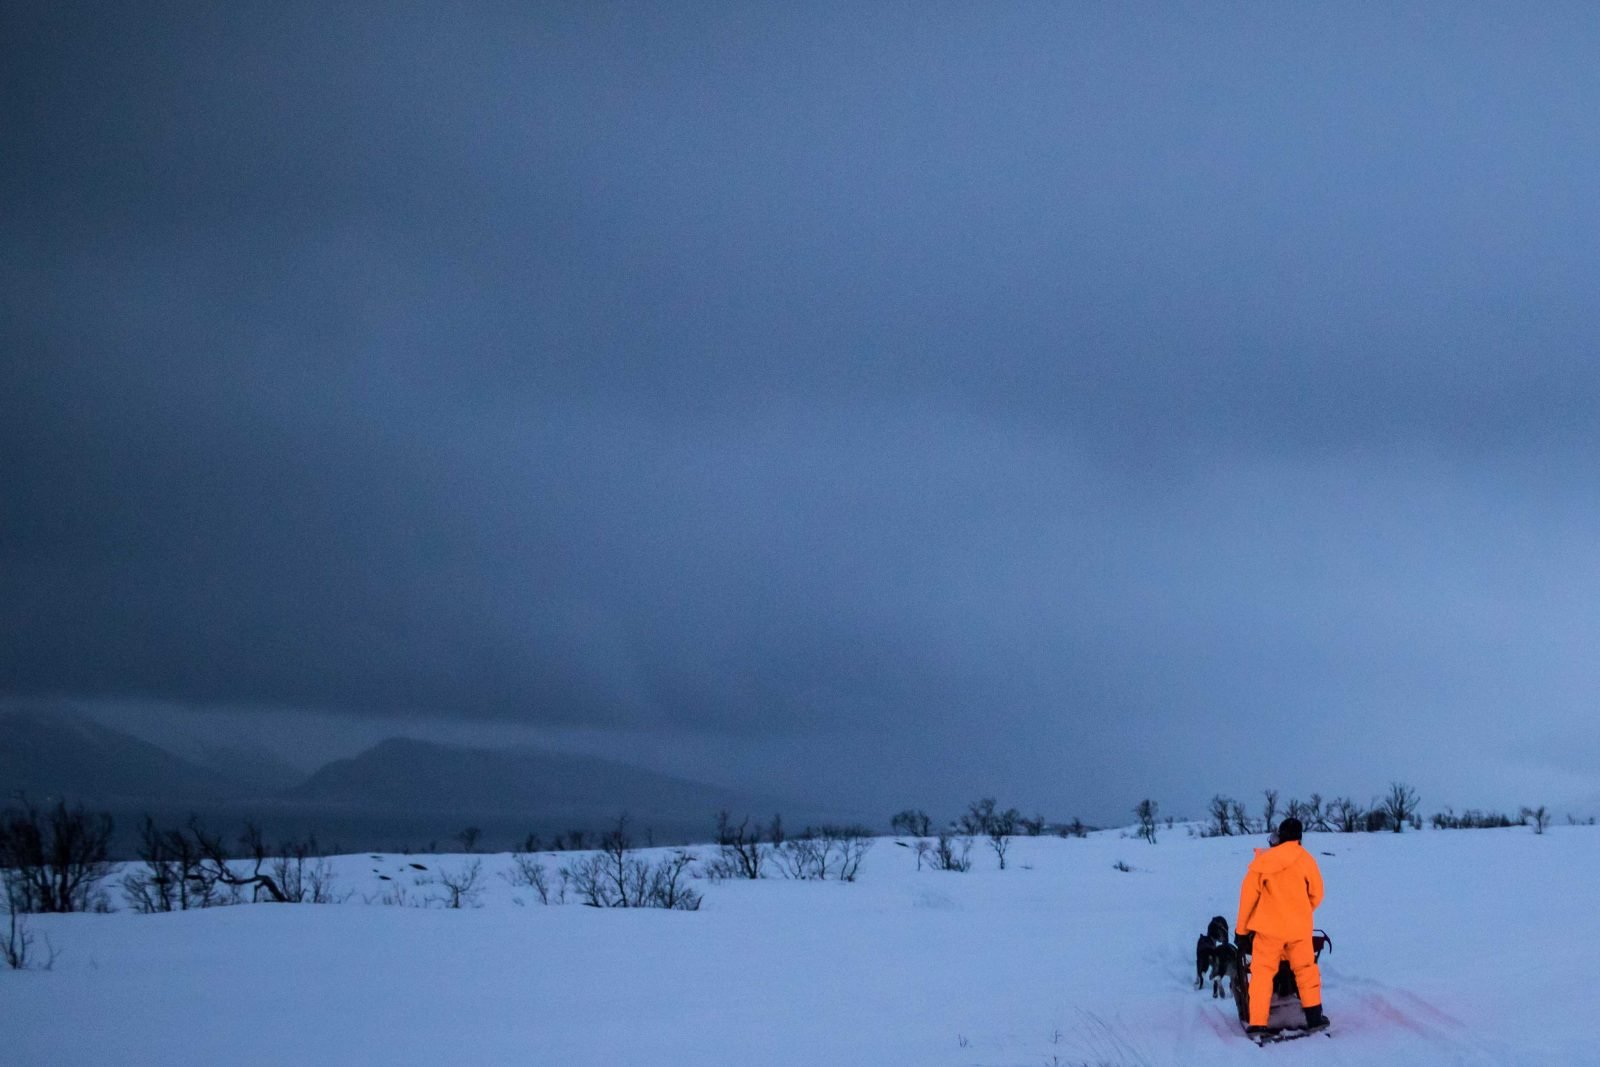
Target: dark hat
[1289, 829]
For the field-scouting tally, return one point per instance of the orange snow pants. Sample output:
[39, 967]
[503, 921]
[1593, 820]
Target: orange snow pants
[1265, 955]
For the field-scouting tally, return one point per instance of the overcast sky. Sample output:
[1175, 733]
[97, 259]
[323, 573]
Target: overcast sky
[904, 402]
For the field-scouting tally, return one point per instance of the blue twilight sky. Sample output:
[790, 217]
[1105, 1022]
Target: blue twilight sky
[891, 402]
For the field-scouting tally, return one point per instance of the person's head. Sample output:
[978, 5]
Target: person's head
[1288, 830]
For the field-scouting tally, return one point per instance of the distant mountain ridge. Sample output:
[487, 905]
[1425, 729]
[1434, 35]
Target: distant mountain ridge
[62, 753]
[412, 789]
[407, 774]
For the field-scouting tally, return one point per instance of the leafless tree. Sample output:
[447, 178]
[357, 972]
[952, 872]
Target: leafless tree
[912, 823]
[979, 817]
[1400, 805]
[1269, 810]
[627, 879]
[17, 948]
[175, 875]
[1033, 827]
[1348, 817]
[1221, 811]
[853, 844]
[527, 870]
[743, 853]
[1146, 811]
[461, 885]
[52, 860]
[303, 872]
[218, 864]
[803, 857]
[1540, 817]
[1241, 818]
[468, 837]
[1002, 825]
[1316, 818]
[669, 886]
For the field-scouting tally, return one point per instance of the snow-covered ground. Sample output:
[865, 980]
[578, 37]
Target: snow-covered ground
[1455, 947]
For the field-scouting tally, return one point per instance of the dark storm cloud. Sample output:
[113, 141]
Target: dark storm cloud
[1064, 377]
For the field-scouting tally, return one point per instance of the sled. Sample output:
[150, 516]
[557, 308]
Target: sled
[1287, 1013]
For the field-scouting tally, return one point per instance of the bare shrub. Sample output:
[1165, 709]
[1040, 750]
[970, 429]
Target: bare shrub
[52, 860]
[816, 854]
[1471, 819]
[803, 857]
[951, 852]
[615, 877]
[528, 871]
[17, 948]
[397, 897]
[669, 886]
[1075, 828]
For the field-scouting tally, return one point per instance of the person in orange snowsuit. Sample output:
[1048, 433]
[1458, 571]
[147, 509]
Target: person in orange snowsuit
[1281, 889]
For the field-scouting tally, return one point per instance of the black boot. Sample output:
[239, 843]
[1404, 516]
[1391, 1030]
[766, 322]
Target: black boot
[1315, 1020]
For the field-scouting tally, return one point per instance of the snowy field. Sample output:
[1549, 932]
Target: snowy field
[1454, 947]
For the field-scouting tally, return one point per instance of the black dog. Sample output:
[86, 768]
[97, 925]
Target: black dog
[1215, 957]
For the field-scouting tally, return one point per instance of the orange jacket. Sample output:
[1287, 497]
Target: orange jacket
[1280, 890]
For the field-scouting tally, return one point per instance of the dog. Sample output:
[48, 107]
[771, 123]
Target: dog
[1215, 958]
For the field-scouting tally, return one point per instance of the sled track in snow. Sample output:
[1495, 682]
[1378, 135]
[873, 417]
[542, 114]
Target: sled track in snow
[1367, 1012]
